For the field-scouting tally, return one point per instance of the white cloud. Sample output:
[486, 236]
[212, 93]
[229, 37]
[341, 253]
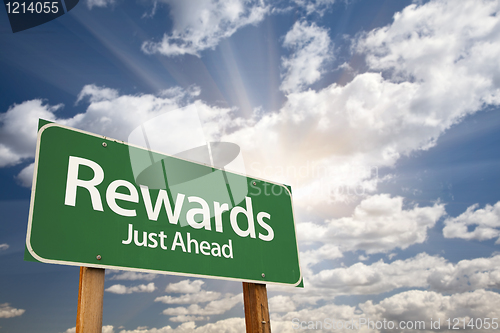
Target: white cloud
[105, 329]
[230, 325]
[108, 114]
[413, 305]
[486, 222]
[422, 271]
[417, 305]
[281, 303]
[378, 224]
[97, 94]
[18, 130]
[202, 25]
[435, 64]
[466, 275]
[311, 49]
[6, 311]
[315, 6]
[198, 297]
[184, 318]
[126, 275]
[4, 246]
[25, 177]
[99, 3]
[121, 289]
[185, 287]
[216, 307]
[378, 277]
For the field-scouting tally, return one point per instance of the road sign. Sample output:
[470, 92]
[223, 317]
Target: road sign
[175, 217]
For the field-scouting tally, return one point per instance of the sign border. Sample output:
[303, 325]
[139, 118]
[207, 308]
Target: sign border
[72, 263]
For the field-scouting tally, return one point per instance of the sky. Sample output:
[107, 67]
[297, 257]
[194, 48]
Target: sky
[380, 114]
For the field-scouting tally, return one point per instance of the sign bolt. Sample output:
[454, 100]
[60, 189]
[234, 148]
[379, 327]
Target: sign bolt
[263, 322]
[255, 183]
[104, 144]
[263, 275]
[98, 257]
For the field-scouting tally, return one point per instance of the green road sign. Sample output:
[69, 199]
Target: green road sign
[100, 202]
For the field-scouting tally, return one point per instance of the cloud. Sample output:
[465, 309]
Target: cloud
[281, 303]
[434, 65]
[108, 114]
[192, 295]
[18, 130]
[197, 297]
[25, 177]
[311, 49]
[6, 311]
[184, 318]
[339, 135]
[417, 305]
[99, 3]
[202, 25]
[315, 6]
[466, 275]
[216, 307]
[421, 271]
[185, 286]
[105, 329]
[4, 247]
[486, 222]
[378, 277]
[121, 289]
[378, 224]
[230, 325]
[132, 276]
[97, 94]
[413, 305]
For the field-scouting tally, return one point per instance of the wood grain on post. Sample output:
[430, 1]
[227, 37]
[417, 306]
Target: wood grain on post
[256, 308]
[90, 296]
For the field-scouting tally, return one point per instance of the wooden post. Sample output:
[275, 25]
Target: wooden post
[256, 308]
[90, 296]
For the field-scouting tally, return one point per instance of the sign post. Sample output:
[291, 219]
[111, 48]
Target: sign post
[90, 300]
[256, 308]
[101, 203]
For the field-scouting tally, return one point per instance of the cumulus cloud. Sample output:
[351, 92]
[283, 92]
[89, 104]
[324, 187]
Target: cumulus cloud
[486, 223]
[378, 277]
[105, 329]
[311, 49]
[25, 177]
[378, 224]
[435, 64]
[185, 287]
[417, 305]
[315, 6]
[6, 311]
[121, 289]
[421, 271]
[216, 307]
[193, 294]
[230, 325]
[108, 113]
[409, 306]
[99, 3]
[202, 25]
[18, 130]
[126, 275]
[198, 297]
[281, 303]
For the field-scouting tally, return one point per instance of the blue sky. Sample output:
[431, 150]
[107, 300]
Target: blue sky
[388, 107]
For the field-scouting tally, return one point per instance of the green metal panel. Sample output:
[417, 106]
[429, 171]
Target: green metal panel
[61, 233]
